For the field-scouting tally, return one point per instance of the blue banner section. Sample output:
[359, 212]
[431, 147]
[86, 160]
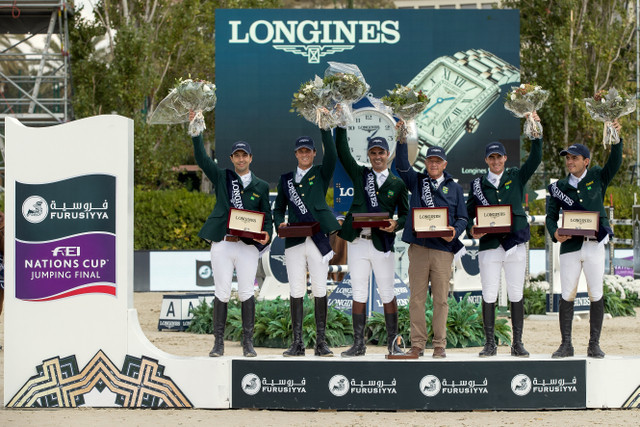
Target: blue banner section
[263, 56]
[342, 296]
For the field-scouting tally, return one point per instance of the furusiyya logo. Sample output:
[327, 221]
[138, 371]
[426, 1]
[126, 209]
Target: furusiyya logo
[315, 39]
[521, 385]
[35, 209]
[339, 385]
[252, 384]
[430, 386]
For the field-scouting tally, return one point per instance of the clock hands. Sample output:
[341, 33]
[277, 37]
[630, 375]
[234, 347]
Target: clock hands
[439, 100]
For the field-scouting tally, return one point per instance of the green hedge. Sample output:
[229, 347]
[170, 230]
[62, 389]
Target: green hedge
[170, 219]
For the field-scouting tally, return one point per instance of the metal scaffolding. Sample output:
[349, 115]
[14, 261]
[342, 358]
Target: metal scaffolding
[35, 71]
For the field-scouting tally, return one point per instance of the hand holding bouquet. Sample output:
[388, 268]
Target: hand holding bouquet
[406, 104]
[187, 95]
[522, 101]
[606, 106]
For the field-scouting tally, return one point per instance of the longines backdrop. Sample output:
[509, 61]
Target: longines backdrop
[262, 57]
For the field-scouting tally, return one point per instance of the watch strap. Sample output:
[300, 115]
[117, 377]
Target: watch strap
[487, 66]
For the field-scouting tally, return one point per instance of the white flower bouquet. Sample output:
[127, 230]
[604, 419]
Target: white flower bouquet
[606, 106]
[187, 95]
[524, 100]
[406, 104]
[347, 86]
[314, 102]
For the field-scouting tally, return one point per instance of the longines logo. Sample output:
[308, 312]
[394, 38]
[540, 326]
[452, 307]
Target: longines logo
[315, 39]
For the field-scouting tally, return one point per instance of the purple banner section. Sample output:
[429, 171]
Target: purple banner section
[75, 265]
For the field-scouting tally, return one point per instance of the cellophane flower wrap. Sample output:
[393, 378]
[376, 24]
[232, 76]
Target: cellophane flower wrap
[524, 100]
[314, 102]
[606, 106]
[347, 86]
[188, 95]
[406, 104]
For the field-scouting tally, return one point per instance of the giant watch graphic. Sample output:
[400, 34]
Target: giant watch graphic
[461, 88]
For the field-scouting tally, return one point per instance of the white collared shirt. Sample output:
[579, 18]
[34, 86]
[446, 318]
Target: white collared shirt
[574, 180]
[381, 177]
[246, 179]
[494, 179]
[439, 181]
[300, 173]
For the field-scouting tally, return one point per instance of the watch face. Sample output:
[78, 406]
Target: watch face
[368, 123]
[455, 96]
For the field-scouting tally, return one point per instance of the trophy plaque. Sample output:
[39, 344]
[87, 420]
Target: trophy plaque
[580, 223]
[493, 219]
[299, 229]
[431, 222]
[245, 223]
[371, 219]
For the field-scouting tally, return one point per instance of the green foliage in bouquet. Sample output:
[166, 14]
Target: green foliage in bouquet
[405, 102]
[345, 86]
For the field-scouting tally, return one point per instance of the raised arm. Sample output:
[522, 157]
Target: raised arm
[533, 161]
[613, 164]
[330, 156]
[206, 163]
[406, 172]
[344, 152]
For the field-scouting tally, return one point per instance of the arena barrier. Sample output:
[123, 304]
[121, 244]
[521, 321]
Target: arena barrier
[72, 337]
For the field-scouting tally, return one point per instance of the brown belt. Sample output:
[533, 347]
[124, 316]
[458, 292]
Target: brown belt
[231, 238]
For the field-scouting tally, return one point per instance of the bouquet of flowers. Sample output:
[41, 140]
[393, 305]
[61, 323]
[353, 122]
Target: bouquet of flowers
[314, 102]
[606, 106]
[187, 95]
[327, 101]
[524, 100]
[347, 86]
[406, 104]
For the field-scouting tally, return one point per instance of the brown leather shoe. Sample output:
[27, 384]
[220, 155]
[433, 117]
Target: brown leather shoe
[439, 353]
[415, 352]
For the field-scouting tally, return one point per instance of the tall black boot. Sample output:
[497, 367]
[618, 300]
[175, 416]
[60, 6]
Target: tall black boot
[391, 321]
[488, 321]
[248, 321]
[219, 322]
[359, 318]
[596, 315]
[322, 349]
[297, 313]
[517, 325]
[565, 316]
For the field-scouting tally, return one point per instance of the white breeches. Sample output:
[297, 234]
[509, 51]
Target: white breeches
[225, 256]
[362, 258]
[492, 261]
[302, 258]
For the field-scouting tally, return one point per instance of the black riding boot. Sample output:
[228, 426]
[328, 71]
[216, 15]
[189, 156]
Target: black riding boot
[489, 320]
[596, 315]
[565, 315]
[219, 322]
[297, 313]
[322, 349]
[391, 321]
[517, 324]
[248, 320]
[359, 318]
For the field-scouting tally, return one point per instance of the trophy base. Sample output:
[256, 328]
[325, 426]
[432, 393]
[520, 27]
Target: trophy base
[493, 230]
[299, 229]
[574, 232]
[435, 233]
[244, 233]
[400, 356]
